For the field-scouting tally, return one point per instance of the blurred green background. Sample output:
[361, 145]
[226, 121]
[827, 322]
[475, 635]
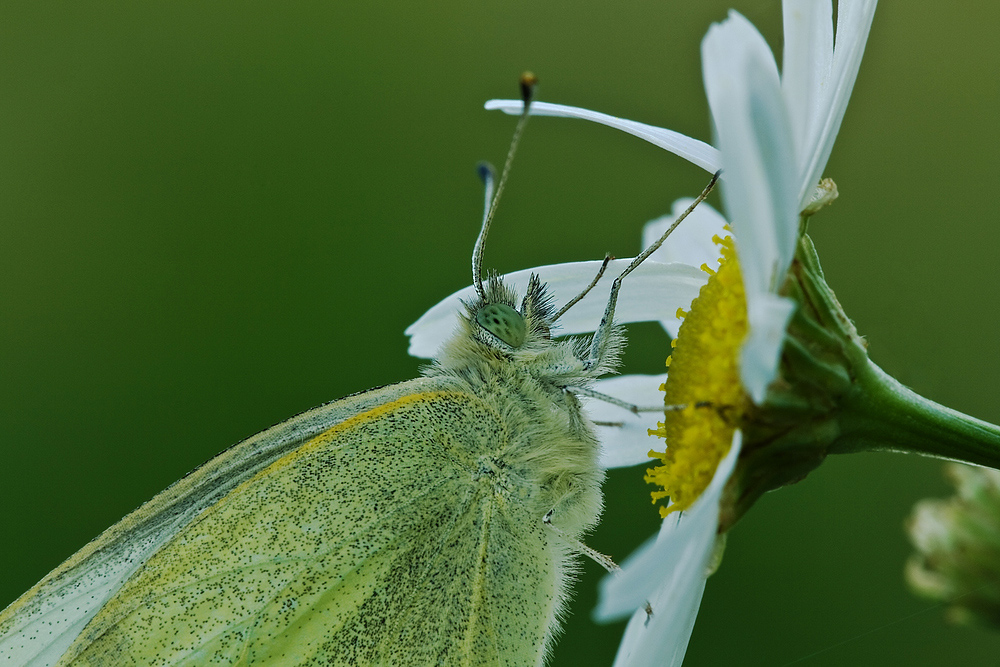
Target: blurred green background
[216, 215]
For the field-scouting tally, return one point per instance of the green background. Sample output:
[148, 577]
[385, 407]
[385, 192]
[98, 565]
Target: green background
[216, 215]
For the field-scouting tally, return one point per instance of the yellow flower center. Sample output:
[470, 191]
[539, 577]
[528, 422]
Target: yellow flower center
[703, 376]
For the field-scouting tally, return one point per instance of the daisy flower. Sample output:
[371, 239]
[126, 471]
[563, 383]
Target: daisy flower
[774, 134]
[768, 375]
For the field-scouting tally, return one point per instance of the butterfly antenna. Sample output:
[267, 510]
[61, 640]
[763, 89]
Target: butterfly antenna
[593, 283]
[600, 339]
[528, 82]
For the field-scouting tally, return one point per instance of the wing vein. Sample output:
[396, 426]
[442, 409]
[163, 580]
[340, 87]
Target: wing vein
[432, 562]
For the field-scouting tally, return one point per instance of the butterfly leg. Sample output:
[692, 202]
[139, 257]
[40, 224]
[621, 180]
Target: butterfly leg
[580, 547]
[599, 343]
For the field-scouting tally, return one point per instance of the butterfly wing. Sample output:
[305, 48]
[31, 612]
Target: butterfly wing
[394, 537]
[38, 627]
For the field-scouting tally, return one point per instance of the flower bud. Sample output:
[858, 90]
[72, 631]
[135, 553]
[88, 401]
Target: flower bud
[958, 547]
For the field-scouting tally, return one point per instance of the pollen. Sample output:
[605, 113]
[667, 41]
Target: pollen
[704, 377]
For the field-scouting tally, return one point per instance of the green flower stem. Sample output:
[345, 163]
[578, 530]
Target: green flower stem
[880, 414]
[874, 412]
[829, 398]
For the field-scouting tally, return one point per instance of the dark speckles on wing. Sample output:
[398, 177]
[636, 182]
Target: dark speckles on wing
[380, 542]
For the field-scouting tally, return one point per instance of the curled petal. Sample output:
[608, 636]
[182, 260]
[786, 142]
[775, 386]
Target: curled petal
[759, 178]
[652, 292]
[692, 150]
[760, 182]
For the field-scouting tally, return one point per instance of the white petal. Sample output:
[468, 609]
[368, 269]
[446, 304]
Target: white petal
[691, 243]
[854, 21]
[662, 643]
[694, 151]
[628, 444]
[681, 556]
[759, 180]
[767, 317]
[806, 64]
[668, 567]
[652, 292]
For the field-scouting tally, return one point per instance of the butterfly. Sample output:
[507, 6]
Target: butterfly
[434, 521]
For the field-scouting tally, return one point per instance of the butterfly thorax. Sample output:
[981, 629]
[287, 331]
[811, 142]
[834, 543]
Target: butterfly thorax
[510, 361]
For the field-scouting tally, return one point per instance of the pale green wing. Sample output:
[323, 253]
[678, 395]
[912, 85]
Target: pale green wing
[398, 537]
[38, 627]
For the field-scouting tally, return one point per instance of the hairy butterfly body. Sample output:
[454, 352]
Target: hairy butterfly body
[398, 526]
[433, 521]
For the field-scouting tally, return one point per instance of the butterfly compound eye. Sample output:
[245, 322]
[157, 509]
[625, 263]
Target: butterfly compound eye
[503, 322]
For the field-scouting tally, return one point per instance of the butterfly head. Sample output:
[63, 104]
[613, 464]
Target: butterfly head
[497, 321]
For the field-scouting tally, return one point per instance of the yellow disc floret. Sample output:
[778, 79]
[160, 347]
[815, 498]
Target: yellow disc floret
[704, 377]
